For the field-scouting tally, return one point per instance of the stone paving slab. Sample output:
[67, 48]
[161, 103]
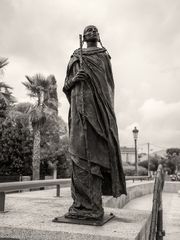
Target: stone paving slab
[171, 212]
[30, 216]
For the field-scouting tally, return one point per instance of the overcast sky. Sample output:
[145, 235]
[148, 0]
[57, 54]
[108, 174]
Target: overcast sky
[142, 37]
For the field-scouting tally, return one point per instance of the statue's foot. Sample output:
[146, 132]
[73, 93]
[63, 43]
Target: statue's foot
[84, 214]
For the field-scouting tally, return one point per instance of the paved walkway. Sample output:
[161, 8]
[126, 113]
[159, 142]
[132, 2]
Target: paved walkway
[30, 217]
[171, 212]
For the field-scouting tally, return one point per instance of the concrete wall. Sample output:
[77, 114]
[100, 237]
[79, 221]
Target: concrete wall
[134, 191]
[138, 190]
[171, 187]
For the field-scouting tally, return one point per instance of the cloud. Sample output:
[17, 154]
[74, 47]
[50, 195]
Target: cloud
[160, 121]
[141, 36]
[157, 122]
[157, 113]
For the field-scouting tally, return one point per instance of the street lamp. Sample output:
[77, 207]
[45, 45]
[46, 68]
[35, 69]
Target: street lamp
[135, 134]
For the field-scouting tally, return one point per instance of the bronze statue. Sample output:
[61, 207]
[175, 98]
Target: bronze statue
[94, 145]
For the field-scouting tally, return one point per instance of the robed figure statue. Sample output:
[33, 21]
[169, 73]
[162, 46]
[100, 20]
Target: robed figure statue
[94, 144]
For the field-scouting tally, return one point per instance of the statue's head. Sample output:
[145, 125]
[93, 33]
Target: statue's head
[91, 34]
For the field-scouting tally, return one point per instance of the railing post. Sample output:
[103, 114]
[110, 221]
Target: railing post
[2, 201]
[58, 190]
[156, 227]
[160, 232]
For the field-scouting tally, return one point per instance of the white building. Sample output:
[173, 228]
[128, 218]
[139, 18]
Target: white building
[128, 154]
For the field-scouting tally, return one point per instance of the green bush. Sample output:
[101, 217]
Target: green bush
[130, 171]
[144, 164]
[142, 171]
[15, 149]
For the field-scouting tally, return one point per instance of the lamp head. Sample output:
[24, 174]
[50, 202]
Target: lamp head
[135, 133]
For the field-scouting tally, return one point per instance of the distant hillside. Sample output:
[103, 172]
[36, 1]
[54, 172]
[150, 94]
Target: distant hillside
[161, 153]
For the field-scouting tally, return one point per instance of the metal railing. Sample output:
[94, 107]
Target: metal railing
[137, 178]
[15, 186]
[156, 227]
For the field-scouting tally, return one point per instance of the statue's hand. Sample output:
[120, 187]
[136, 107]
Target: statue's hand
[80, 76]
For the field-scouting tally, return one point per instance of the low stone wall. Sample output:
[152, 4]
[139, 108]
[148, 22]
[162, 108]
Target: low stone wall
[138, 190]
[134, 191]
[171, 187]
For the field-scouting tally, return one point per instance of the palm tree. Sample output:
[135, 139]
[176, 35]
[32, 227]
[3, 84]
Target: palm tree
[37, 87]
[6, 97]
[3, 62]
[19, 112]
[6, 94]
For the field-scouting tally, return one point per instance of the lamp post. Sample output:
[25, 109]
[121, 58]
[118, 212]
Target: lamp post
[135, 134]
[149, 173]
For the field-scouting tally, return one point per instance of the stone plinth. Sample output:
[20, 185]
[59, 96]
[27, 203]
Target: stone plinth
[30, 216]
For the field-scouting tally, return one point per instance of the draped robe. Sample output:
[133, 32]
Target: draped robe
[93, 134]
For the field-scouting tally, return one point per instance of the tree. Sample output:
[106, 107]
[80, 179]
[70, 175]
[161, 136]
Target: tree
[6, 100]
[53, 148]
[3, 63]
[143, 163]
[173, 159]
[20, 112]
[6, 94]
[154, 161]
[38, 87]
[6, 97]
[129, 170]
[50, 131]
[16, 149]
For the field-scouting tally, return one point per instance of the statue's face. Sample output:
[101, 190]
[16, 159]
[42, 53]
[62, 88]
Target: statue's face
[91, 34]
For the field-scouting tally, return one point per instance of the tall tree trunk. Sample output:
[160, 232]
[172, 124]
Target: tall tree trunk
[55, 172]
[36, 155]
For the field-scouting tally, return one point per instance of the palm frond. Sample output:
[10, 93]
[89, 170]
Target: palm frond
[38, 82]
[4, 98]
[5, 94]
[4, 85]
[8, 95]
[3, 62]
[12, 99]
[38, 79]
[29, 79]
[22, 107]
[31, 88]
[32, 95]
